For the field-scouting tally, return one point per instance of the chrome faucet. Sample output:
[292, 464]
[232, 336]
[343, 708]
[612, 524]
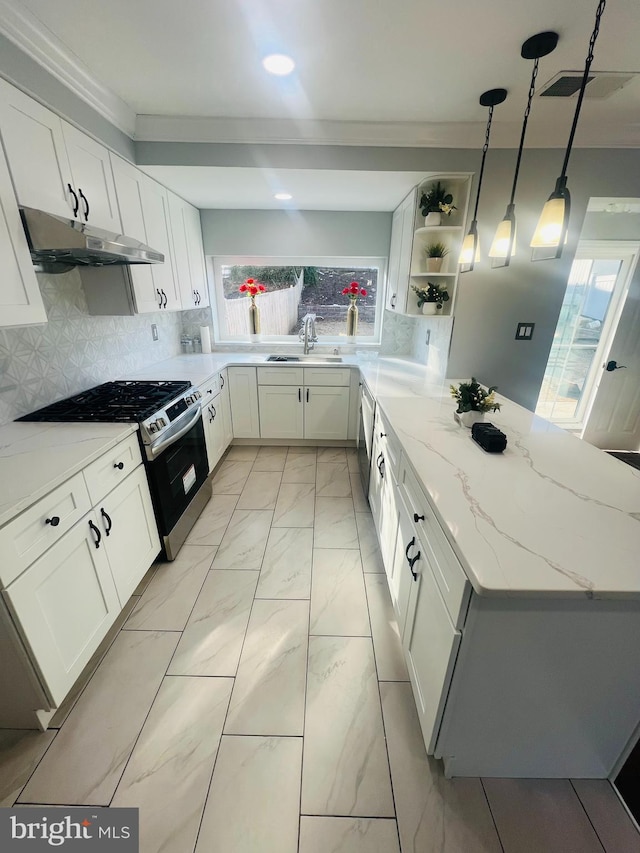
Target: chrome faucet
[307, 334]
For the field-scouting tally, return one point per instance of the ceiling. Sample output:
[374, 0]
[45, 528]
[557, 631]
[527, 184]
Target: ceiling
[401, 72]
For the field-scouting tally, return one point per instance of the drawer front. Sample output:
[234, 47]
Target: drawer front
[29, 535]
[210, 388]
[105, 473]
[389, 445]
[280, 376]
[449, 574]
[337, 376]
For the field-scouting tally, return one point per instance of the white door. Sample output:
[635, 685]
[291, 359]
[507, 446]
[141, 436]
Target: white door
[92, 179]
[155, 205]
[196, 255]
[430, 644]
[129, 182]
[596, 325]
[64, 604]
[181, 251]
[34, 146]
[394, 258]
[281, 411]
[130, 532]
[326, 412]
[243, 394]
[20, 299]
[614, 419]
[400, 572]
[225, 405]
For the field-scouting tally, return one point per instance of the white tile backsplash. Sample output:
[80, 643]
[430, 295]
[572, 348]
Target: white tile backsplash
[75, 351]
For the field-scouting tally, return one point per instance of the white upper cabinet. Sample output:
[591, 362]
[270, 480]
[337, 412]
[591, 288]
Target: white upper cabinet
[55, 167]
[20, 299]
[92, 179]
[34, 145]
[188, 253]
[144, 211]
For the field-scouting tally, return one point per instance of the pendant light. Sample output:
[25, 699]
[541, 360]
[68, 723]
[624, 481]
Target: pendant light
[503, 247]
[470, 251]
[551, 232]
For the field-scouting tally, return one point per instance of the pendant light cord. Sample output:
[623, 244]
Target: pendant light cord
[587, 67]
[525, 121]
[485, 148]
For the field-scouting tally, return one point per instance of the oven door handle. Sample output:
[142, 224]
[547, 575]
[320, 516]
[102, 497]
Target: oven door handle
[155, 450]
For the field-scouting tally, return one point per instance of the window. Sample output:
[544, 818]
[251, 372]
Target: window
[295, 287]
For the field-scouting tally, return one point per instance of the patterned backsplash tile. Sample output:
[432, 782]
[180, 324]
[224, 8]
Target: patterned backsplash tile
[74, 351]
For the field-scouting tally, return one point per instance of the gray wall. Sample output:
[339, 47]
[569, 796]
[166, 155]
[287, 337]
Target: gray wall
[295, 232]
[492, 302]
[26, 74]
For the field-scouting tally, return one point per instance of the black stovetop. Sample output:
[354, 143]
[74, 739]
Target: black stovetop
[125, 401]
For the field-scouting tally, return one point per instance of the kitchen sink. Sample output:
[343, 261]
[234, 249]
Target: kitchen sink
[313, 359]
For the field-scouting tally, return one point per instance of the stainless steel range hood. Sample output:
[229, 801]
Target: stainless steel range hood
[57, 244]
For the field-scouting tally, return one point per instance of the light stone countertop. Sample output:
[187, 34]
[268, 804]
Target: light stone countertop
[551, 516]
[35, 458]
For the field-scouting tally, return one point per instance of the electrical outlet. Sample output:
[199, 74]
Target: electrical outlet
[154, 331]
[428, 337]
[524, 332]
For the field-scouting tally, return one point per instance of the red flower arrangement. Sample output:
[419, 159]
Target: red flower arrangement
[251, 288]
[353, 291]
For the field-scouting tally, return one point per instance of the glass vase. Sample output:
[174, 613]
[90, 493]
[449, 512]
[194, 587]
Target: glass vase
[254, 319]
[352, 320]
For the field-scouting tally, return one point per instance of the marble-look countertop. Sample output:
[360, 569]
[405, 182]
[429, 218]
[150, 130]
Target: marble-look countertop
[551, 516]
[35, 458]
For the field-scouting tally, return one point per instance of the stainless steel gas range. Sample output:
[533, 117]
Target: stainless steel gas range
[171, 435]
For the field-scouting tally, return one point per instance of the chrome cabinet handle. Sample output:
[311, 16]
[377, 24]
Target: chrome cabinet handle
[76, 203]
[86, 204]
[96, 532]
[54, 521]
[107, 518]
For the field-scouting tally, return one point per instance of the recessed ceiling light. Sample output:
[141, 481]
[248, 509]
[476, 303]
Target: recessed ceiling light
[283, 196]
[278, 63]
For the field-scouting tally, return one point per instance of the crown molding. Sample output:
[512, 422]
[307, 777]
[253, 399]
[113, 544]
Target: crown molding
[29, 34]
[160, 128]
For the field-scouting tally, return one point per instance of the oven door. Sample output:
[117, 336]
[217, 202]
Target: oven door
[177, 469]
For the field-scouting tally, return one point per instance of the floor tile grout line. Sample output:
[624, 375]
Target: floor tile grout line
[584, 808]
[57, 732]
[306, 694]
[493, 817]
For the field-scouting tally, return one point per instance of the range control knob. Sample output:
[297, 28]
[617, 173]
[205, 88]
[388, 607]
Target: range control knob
[161, 423]
[152, 427]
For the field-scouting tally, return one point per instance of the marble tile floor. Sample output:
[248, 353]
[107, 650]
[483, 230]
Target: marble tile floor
[253, 698]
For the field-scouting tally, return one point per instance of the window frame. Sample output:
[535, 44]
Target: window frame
[217, 297]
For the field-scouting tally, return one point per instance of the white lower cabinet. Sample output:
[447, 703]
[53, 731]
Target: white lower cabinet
[243, 391]
[430, 644]
[63, 605]
[225, 400]
[129, 530]
[58, 606]
[214, 431]
[298, 402]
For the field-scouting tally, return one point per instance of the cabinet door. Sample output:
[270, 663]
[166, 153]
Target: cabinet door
[326, 412]
[281, 411]
[92, 179]
[431, 646]
[406, 248]
[196, 255]
[243, 392]
[20, 299]
[182, 266]
[36, 154]
[130, 532]
[129, 189]
[155, 206]
[406, 563]
[63, 605]
[225, 405]
[214, 430]
[394, 258]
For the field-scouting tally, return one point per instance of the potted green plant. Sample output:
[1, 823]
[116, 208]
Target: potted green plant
[431, 297]
[435, 255]
[436, 202]
[473, 401]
